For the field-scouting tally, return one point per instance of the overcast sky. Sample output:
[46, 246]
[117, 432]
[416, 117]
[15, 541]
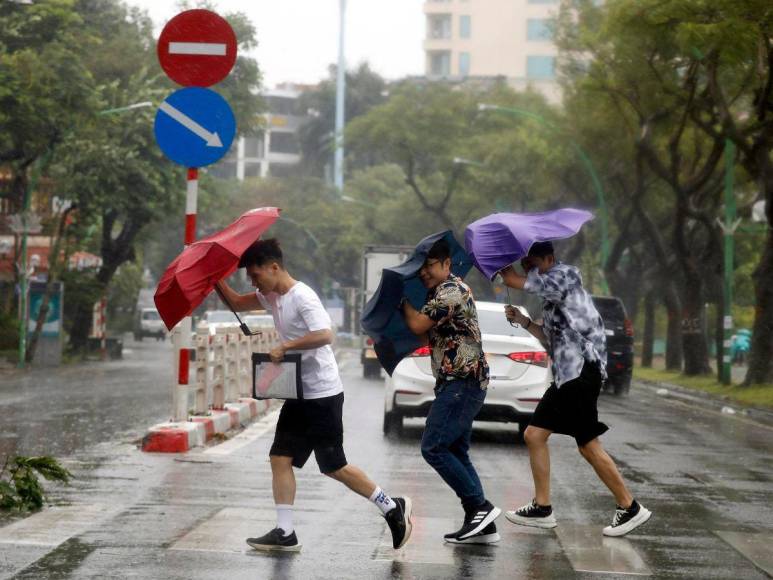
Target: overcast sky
[298, 39]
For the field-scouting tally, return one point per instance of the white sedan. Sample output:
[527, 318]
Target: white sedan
[520, 375]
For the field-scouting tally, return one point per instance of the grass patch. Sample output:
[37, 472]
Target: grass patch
[757, 396]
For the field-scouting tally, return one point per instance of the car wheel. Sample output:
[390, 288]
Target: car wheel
[622, 386]
[393, 423]
[371, 370]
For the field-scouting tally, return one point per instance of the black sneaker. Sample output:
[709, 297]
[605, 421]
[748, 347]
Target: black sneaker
[487, 535]
[399, 521]
[626, 520]
[276, 540]
[536, 516]
[475, 521]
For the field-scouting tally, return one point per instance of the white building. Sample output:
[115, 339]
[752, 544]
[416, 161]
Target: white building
[490, 38]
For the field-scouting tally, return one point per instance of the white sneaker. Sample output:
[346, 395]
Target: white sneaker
[626, 520]
[533, 515]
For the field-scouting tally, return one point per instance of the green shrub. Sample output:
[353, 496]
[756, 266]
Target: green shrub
[20, 487]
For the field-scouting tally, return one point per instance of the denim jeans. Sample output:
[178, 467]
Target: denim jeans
[446, 438]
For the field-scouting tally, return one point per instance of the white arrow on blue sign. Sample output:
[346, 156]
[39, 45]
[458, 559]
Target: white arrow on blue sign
[194, 127]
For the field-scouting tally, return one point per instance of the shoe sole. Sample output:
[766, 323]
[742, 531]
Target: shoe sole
[408, 524]
[543, 523]
[493, 514]
[642, 517]
[266, 548]
[487, 539]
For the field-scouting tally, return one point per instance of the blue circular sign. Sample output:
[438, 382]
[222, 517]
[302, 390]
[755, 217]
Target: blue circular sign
[194, 127]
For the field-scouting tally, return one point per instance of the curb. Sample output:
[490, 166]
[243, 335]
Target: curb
[173, 437]
[707, 400]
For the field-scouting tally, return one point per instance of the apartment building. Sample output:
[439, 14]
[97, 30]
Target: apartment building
[493, 38]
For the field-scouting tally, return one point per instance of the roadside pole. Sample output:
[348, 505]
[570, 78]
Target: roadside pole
[729, 227]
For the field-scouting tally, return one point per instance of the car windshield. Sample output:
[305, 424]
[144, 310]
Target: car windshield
[610, 308]
[496, 323]
[216, 316]
[151, 315]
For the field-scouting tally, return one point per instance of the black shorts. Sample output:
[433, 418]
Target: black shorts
[312, 425]
[573, 409]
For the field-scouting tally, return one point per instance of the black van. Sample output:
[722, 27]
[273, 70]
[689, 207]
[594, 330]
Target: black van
[619, 330]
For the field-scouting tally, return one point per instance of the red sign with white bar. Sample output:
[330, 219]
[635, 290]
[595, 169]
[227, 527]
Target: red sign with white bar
[197, 48]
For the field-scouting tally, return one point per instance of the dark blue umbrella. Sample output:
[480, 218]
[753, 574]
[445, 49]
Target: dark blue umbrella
[381, 319]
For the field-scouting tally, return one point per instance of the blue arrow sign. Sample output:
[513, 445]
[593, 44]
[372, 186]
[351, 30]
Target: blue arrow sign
[194, 127]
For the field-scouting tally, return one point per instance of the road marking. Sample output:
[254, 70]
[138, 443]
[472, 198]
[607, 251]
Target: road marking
[589, 551]
[246, 437]
[227, 530]
[755, 547]
[55, 525]
[212, 139]
[206, 48]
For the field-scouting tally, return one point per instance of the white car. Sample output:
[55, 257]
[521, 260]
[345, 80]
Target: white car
[520, 375]
[149, 323]
[214, 319]
[259, 321]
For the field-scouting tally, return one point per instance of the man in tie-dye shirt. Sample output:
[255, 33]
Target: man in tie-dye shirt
[573, 334]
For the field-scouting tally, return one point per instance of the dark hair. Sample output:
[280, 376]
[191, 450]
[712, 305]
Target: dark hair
[541, 249]
[440, 250]
[261, 253]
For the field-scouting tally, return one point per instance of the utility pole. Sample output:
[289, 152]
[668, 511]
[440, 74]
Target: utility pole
[728, 229]
[338, 171]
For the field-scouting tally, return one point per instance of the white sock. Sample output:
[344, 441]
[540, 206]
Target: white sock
[382, 500]
[284, 518]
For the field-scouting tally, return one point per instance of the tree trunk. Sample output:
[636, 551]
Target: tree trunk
[648, 335]
[760, 368]
[696, 354]
[674, 330]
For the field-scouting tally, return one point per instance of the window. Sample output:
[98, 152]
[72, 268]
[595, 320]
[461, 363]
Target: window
[253, 147]
[464, 64]
[539, 29]
[283, 143]
[440, 63]
[540, 67]
[439, 26]
[464, 26]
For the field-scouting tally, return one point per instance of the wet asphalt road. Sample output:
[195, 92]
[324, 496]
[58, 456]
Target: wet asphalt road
[706, 476]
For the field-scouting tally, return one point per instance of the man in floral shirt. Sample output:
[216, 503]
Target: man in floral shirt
[448, 322]
[573, 334]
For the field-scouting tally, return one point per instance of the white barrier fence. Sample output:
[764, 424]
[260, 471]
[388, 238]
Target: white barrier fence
[219, 372]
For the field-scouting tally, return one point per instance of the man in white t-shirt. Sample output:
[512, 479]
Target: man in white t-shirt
[314, 423]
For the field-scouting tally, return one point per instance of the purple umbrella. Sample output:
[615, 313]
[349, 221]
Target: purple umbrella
[498, 240]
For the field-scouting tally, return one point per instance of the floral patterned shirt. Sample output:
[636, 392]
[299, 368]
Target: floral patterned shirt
[456, 343]
[571, 323]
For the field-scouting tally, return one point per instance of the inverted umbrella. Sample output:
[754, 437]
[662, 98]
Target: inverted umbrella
[498, 240]
[195, 272]
[381, 319]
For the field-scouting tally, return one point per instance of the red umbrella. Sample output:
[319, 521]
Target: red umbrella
[194, 273]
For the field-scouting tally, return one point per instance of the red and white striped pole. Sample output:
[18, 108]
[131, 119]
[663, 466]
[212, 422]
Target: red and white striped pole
[183, 343]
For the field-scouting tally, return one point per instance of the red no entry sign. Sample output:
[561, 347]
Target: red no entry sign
[197, 48]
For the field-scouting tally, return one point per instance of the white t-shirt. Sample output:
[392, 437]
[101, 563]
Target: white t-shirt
[296, 314]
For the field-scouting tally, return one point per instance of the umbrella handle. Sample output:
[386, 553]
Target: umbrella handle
[245, 329]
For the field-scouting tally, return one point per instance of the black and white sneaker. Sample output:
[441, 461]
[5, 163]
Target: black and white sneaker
[475, 521]
[276, 541]
[536, 516]
[626, 520]
[487, 535]
[399, 521]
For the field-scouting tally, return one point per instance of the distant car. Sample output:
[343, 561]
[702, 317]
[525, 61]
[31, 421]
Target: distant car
[214, 319]
[519, 367]
[619, 331]
[149, 323]
[259, 321]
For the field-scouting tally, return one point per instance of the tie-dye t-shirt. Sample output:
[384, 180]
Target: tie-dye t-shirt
[571, 323]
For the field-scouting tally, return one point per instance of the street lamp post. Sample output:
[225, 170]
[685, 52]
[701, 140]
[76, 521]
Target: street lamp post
[338, 172]
[585, 159]
[37, 169]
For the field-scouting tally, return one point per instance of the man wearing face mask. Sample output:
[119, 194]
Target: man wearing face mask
[314, 423]
[573, 334]
[448, 322]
